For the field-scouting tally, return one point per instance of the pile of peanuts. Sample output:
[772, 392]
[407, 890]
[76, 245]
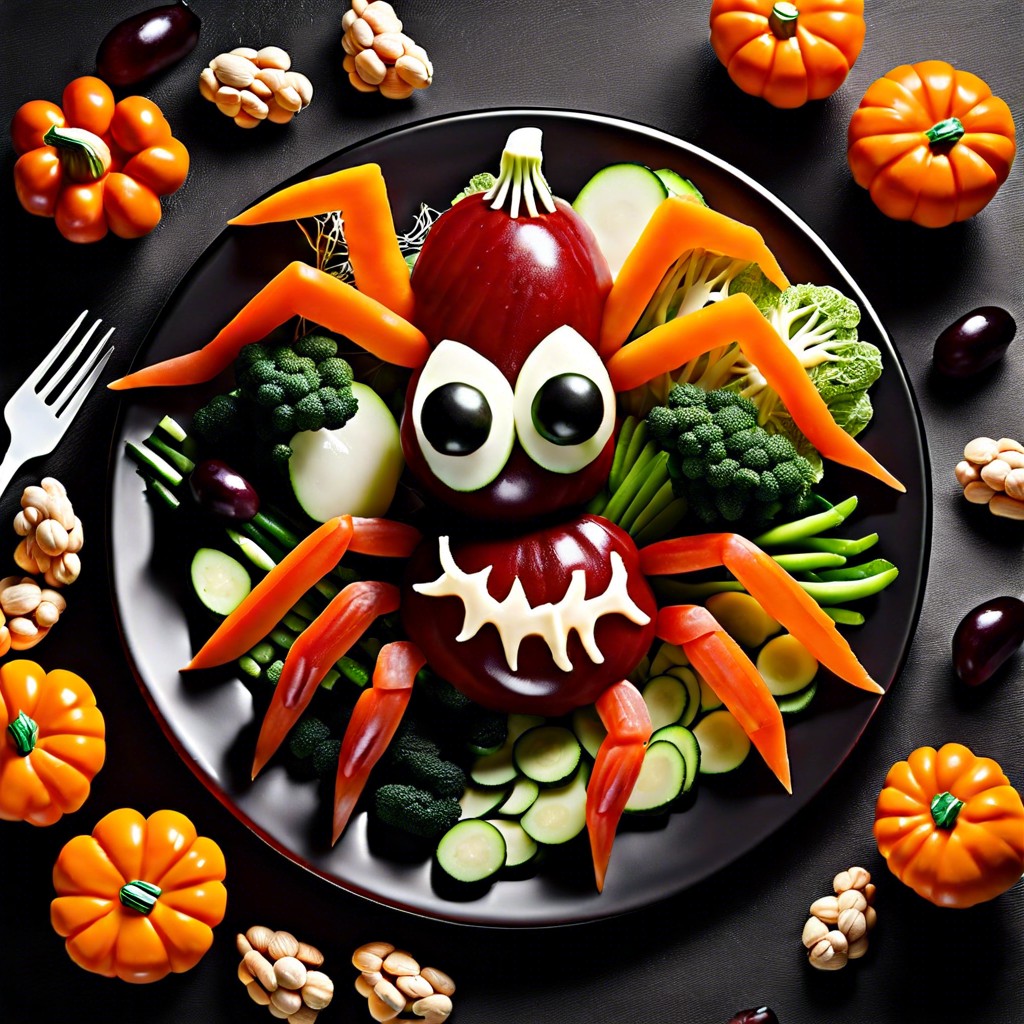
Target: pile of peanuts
[279, 972]
[837, 930]
[251, 86]
[379, 57]
[393, 982]
[992, 473]
[30, 612]
[51, 533]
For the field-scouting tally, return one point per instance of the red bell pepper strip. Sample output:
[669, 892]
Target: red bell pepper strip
[616, 768]
[736, 319]
[773, 588]
[374, 720]
[720, 661]
[316, 649]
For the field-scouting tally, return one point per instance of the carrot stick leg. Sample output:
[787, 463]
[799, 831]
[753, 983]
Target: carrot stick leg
[318, 647]
[774, 589]
[375, 718]
[298, 290]
[360, 193]
[729, 672]
[736, 319]
[616, 767]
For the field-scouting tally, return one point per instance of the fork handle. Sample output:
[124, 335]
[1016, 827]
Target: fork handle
[13, 461]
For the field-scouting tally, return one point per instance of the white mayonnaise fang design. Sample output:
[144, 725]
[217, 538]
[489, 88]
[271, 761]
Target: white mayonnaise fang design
[515, 618]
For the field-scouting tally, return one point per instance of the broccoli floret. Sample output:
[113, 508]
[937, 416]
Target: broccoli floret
[335, 373]
[325, 758]
[274, 671]
[282, 419]
[309, 413]
[219, 421]
[426, 769]
[317, 348]
[307, 736]
[478, 183]
[415, 810]
[443, 692]
[727, 467]
[487, 731]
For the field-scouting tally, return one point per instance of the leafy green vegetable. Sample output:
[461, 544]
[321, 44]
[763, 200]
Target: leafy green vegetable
[415, 810]
[478, 183]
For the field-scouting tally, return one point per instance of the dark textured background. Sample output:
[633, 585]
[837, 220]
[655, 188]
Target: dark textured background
[733, 941]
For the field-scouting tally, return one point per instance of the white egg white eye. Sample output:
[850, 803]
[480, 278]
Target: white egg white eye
[462, 415]
[564, 403]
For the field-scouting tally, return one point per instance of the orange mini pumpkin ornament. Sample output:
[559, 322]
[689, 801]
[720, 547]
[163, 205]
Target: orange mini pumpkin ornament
[139, 898]
[788, 53]
[53, 742]
[951, 826]
[931, 143]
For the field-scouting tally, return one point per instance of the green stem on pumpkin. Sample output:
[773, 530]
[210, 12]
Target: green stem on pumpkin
[782, 20]
[139, 895]
[25, 734]
[950, 130]
[945, 807]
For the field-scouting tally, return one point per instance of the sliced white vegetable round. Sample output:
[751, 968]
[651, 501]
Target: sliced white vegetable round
[786, 665]
[472, 850]
[520, 849]
[353, 470]
[661, 779]
[219, 580]
[742, 617]
[723, 743]
[565, 360]
[455, 370]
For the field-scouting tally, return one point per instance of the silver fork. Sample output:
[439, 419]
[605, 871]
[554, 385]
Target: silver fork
[37, 424]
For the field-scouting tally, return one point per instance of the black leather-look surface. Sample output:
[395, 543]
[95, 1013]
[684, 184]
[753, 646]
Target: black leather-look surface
[733, 941]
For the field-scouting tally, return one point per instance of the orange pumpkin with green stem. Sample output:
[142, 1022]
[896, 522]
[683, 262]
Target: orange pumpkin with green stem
[95, 165]
[788, 53]
[53, 742]
[951, 826]
[139, 898]
[931, 143]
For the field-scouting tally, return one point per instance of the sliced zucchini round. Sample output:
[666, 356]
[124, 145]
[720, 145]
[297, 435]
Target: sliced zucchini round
[548, 754]
[520, 849]
[666, 698]
[497, 769]
[558, 814]
[661, 779]
[742, 617]
[677, 185]
[219, 580]
[478, 803]
[686, 743]
[521, 799]
[786, 665]
[723, 743]
[589, 729]
[472, 850]
[617, 203]
[798, 701]
[666, 657]
[709, 700]
[694, 694]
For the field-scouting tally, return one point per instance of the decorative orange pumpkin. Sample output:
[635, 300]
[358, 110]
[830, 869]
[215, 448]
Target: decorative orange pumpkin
[139, 898]
[53, 742]
[951, 826]
[931, 143]
[788, 53]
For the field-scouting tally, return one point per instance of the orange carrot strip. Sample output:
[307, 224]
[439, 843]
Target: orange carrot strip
[362, 197]
[266, 604]
[720, 661]
[373, 724]
[771, 586]
[316, 649]
[737, 319]
[300, 290]
[619, 759]
[675, 227]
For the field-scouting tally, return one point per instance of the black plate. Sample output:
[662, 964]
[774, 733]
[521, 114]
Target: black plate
[210, 725]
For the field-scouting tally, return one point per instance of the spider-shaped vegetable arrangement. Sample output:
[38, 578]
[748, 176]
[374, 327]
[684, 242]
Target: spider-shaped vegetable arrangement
[509, 422]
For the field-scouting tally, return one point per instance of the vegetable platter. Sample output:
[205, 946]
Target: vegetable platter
[210, 719]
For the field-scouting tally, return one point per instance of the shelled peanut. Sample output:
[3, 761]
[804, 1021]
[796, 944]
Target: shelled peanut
[51, 533]
[280, 973]
[27, 612]
[379, 57]
[992, 473]
[251, 86]
[393, 983]
[837, 930]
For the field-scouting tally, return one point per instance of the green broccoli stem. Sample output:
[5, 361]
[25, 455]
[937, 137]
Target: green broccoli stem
[808, 526]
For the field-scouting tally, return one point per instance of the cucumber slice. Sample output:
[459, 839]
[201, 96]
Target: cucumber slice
[723, 743]
[548, 754]
[617, 203]
[471, 850]
[689, 679]
[667, 656]
[742, 617]
[219, 580]
[677, 185]
[709, 700]
[521, 799]
[520, 849]
[666, 698]
[478, 803]
[518, 724]
[589, 729]
[497, 769]
[661, 779]
[786, 665]
[797, 701]
[558, 814]
[687, 745]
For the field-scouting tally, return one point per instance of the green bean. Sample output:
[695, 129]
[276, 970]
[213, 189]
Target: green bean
[801, 561]
[809, 526]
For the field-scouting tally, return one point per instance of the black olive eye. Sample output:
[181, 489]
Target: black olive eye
[568, 409]
[456, 419]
